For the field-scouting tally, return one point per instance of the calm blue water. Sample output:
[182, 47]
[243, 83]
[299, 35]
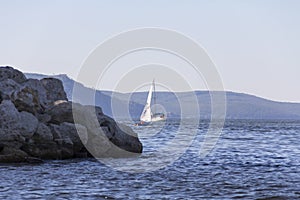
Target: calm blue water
[252, 160]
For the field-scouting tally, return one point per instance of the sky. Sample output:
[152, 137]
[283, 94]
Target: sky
[254, 44]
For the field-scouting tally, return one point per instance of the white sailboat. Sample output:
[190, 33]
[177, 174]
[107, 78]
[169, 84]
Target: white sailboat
[147, 116]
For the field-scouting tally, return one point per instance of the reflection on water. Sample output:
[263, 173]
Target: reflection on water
[253, 159]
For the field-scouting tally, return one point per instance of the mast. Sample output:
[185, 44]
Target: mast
[154, 97]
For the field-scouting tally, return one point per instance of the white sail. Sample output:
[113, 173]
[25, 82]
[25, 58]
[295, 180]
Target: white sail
[146, 114]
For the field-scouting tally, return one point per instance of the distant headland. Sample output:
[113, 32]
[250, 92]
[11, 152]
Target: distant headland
[238, 105]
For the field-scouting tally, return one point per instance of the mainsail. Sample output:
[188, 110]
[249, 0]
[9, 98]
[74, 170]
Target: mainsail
[146, 114]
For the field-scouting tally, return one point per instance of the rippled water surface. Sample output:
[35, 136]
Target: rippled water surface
[252, 160]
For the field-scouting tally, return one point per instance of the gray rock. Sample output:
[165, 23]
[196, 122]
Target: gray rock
[60, 113]
[12, 155]
[100, 128]
[9, 116]
[26, 99]
[11, 139]
[27, 125]
[11, 120]
[82, 133]
[64, 142]
[10, 134]
[69, 136]
[7, 87]
[95, 109]
[127, 139]
[56, 134]
[37, 122]
[43, 134]
[44, 118]
[54, 88]
[75, 132]
[11, 73]
[41, 92]
[43, 150]
[106, 138]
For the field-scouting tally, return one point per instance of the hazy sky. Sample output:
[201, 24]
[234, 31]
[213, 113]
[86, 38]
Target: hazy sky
[255, 44]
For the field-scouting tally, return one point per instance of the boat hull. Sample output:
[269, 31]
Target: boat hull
[158, 117]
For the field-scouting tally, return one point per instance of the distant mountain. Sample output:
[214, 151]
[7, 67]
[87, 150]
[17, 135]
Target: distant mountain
[239, 106]
[103, 100]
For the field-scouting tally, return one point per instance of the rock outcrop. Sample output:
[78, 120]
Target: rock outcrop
[38, 122]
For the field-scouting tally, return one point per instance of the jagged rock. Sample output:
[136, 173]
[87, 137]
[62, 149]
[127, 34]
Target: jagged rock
[75, 132]
[41, 92]
[32, 96]
[95, 109]
[102, 130]
[12, 155]
[26, 99]
[43, 134]
[54, 88]
[44, 118]
[27, 125]
[43, 144]
[11, 73]
[12, 120]
[61, 113]
[127, 139]
[61, 137]
[11, 138]
[120, 135]
[37, 122]
[82, 133]
[8, 86]
[9, 115]
[43, 150]
[69, 135]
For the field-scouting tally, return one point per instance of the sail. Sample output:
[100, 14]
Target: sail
[146, 114]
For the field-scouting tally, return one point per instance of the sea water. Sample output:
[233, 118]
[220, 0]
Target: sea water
[251, 160]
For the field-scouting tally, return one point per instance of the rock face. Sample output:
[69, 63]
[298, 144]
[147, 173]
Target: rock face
[11, 73]
[38, 122]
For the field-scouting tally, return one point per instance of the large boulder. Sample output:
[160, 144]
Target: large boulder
[43, 134]
[46, 150]
[37, 86]
[26, 99]
[9, 132]
[11, 73]
[11, 139]
[23, 122]
[27, 124]
[105, 136]
[127, 139]
[12, 155]
[54, 89]
[9, 115]
[8, 87]
[119, 140]
[33, 95]
[60, 112]
[68, 137]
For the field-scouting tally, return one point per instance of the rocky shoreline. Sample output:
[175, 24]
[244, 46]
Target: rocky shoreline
[38, 122]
